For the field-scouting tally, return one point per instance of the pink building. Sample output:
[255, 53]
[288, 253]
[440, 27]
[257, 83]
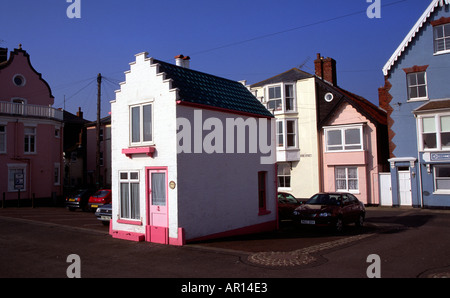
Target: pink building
[353, 148]
[31, 140]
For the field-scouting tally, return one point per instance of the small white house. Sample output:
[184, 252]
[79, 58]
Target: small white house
[193, 156]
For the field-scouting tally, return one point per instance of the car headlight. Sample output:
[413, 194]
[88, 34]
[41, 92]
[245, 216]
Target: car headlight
[98, 210]
[324, 214]
[296, 212]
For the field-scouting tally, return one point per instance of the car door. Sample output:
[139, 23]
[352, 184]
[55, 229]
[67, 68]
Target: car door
[347, 208]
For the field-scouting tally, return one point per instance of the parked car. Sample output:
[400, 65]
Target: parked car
[104, 213]
[286, 205]
[78, 199]
[331, 209]
[100, 198]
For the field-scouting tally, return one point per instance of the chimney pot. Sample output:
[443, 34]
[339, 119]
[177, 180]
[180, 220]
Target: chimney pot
[182, 61]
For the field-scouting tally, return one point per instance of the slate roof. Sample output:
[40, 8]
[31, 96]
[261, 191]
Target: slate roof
[208, 90]
[291, 75]
[434, 105]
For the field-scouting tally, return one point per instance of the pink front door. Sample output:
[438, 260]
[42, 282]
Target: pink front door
[157, 229]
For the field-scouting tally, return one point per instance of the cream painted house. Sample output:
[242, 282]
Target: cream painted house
[291, 97]
[310, 110]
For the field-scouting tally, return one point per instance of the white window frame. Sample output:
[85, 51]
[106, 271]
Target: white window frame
[435, 179]
[284, 133]
[347, 179]
[283, 98]
[129, 180]
[284, 175]
[438, 132]
[342, 129]
[3, 136]
[141, 124]
[417, 86]
[30, 136]
[444, 38]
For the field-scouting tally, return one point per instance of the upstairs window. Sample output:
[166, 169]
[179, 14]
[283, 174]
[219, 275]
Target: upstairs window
[417, 85]
[30, 140]
[281, 98]
[2, 138]
[287, 133]
[141, 124]
[442, 38]
[344, 139]
[274, 101]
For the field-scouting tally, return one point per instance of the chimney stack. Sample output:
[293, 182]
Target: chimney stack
[326, 69]
[3, 54]
[80, 113]
[182, 61]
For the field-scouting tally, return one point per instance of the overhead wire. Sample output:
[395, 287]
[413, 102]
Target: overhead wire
[289, 30]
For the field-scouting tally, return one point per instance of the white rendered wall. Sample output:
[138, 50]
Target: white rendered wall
[218, 192]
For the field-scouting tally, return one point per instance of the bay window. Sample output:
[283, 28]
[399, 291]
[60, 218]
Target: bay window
[344, 138]
[442, 178]
[287, 133]
[434, 132]
[281, 98]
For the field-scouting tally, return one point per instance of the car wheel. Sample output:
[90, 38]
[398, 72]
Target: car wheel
[360, 221]
[339, 226]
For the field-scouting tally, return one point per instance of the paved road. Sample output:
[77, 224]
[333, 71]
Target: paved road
[410, 243]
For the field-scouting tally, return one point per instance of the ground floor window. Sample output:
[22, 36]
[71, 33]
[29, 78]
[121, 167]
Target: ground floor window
[442, 178]
[129, 195]
[284, 175]
[347, 179]
[262, 176]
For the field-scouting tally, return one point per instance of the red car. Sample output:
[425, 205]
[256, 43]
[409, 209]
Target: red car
[331, 209]
[100, 198]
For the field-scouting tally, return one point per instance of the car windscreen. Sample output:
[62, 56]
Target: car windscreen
[324, 199]
[101, 193]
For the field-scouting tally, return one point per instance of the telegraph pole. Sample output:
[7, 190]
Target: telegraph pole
[97, 171]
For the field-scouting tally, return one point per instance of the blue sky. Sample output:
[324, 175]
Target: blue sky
[237, 39]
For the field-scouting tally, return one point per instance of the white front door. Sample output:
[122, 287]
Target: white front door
[404, 187]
